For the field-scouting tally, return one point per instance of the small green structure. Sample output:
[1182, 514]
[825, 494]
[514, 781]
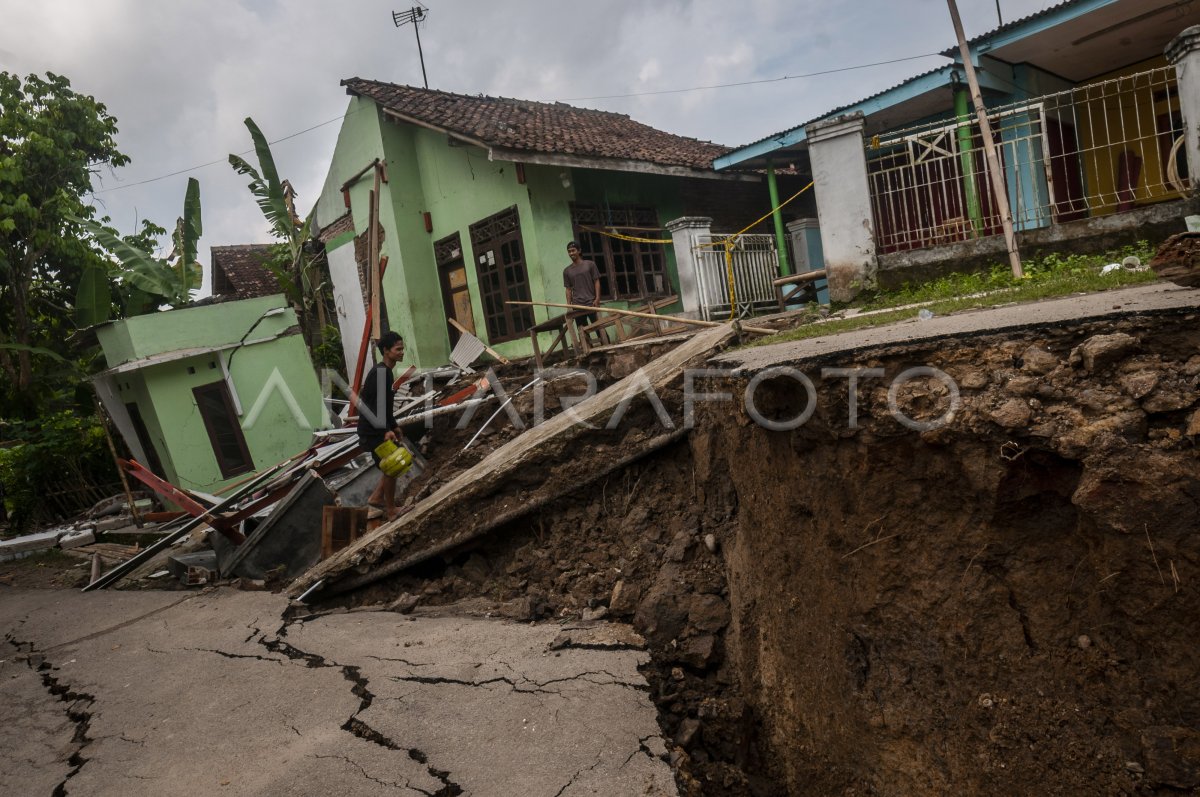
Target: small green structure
[205, 394]
[478, 197]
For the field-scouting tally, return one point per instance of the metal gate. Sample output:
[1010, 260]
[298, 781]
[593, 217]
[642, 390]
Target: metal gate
[755, 265]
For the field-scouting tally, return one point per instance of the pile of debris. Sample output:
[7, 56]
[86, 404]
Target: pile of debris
[109, 518]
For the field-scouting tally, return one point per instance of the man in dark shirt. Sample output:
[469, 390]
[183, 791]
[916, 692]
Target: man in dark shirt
[376, 422]
[582, 281]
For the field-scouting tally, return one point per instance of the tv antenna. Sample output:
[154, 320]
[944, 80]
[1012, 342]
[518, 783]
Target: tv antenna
[414, 16]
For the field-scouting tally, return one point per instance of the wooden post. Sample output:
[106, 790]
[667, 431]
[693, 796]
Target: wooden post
[989, 146]
[102, 416]
[373, 260]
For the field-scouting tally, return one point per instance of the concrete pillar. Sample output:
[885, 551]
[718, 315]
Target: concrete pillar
[1184, 53]
[683, 236]
[839, 165]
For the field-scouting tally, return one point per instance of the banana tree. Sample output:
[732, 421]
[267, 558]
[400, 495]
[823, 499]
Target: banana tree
[144, 282]
[301, 279]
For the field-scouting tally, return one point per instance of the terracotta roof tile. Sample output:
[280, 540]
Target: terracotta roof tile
[241, 271]
[539, 127]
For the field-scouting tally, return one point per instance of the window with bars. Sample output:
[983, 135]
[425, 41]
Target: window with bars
[503, 276]
[628, 269]
[224, 431]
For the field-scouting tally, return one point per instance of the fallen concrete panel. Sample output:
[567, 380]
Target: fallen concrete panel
[33, 542]
[503, 486]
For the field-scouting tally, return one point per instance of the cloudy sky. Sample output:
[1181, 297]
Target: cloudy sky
[180, 76]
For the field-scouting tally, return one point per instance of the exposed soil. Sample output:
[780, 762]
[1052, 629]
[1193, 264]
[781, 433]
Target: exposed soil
[1000, 606]
[44, 570]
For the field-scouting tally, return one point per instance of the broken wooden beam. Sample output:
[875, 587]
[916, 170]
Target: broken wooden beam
[475, 500]
[652, 316]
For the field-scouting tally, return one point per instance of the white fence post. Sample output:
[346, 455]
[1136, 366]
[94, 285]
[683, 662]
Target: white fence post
[684, 232]
[1184, 53]
[839, 166]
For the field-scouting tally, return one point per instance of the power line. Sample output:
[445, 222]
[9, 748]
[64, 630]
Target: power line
[569, 99]
[749, 82]
[222, 160]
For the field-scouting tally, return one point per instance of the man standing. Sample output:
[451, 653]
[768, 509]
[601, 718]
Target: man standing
[582, 281]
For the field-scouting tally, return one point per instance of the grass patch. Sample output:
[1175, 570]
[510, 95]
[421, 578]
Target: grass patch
[1045, 277]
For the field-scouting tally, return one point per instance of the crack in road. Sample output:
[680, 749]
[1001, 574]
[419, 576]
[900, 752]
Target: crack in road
[519, 685]
[368, 776]
[354, 725]
[575, 777]
[76, 710]
[642, 748]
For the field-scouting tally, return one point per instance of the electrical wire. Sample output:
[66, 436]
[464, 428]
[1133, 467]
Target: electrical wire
[222, 160]
[569, 99]
[750, 82]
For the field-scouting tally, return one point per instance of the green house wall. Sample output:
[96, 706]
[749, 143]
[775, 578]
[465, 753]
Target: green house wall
[458, 186]
[280, 396]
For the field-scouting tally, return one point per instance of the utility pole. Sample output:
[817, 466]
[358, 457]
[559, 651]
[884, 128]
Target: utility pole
[414, 15]
[999, 189]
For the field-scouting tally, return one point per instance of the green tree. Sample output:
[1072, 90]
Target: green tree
[298, 268]
[143, 281]
[52, 140]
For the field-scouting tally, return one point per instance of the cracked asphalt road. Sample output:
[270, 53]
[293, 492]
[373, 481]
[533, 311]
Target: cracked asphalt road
[153, 692]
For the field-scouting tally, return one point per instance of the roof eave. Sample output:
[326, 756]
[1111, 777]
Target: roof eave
[1021, 29]
[610, 164]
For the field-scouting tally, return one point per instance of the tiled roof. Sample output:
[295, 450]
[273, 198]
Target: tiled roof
[539, 127]
[241, 271]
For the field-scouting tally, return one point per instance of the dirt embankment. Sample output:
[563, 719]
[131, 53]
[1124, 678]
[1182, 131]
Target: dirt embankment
[1003, 605]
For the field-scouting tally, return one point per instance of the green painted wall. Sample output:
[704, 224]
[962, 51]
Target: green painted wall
[131, 387]
[280, 396]
[459, 186]
[191, 327]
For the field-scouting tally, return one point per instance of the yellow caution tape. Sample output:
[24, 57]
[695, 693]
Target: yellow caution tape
[760, 219]
[623, 237]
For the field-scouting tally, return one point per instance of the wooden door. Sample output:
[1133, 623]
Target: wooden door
[456, 293]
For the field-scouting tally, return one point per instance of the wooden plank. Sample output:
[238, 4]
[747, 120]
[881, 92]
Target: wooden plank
[693, 321]
[373, 259]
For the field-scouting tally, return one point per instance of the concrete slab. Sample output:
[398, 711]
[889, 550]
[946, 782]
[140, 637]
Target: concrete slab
[112, 693]
[477, 500]
[1155, 297]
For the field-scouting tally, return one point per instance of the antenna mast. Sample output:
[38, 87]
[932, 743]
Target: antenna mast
[415, 16]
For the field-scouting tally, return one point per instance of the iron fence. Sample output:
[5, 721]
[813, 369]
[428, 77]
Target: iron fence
[1100, 148]
[755, 266]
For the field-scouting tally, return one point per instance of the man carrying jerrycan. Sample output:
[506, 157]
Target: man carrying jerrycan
[378, 431]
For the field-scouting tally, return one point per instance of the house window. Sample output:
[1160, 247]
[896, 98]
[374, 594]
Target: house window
[224, 431]
[500, 264]
[628, 269]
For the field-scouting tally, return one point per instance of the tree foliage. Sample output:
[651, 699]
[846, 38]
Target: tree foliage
[52, 140]
[143, 281]
[299, 272]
